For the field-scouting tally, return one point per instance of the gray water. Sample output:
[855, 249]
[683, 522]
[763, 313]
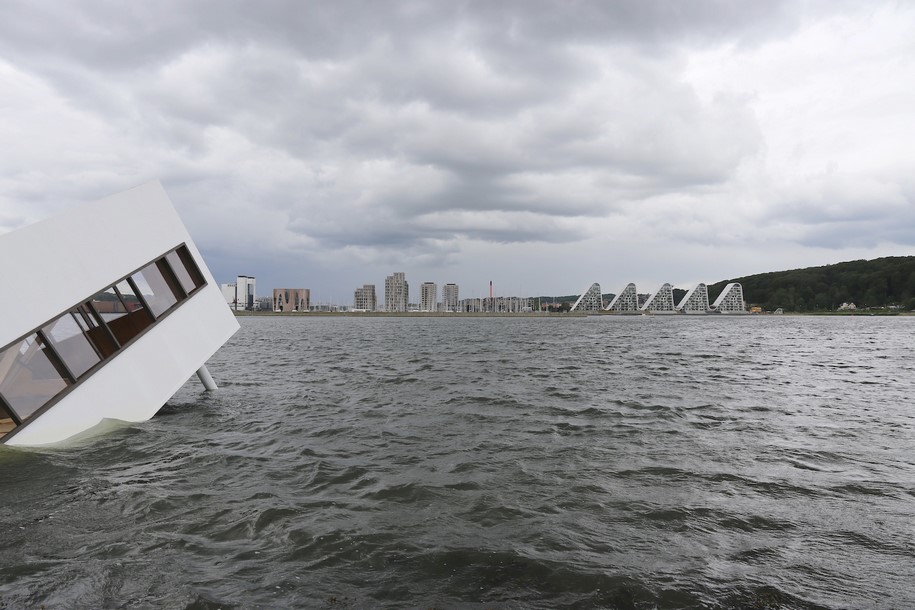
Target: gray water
[625, 462]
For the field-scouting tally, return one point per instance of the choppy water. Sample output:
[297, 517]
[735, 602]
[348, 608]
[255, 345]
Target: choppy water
[639, 462]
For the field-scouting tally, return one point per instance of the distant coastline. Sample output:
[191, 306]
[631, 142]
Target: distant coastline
[547, 314]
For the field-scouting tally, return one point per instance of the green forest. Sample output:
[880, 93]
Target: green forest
[882, 282]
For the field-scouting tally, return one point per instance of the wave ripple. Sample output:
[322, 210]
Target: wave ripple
[637, 462]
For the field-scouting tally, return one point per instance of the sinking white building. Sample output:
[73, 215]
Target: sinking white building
[625, 301]
[590, 300]
[731, 300]
[118, 309]
[695, 301]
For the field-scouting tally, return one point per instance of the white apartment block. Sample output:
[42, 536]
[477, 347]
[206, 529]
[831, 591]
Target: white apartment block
[497, 305]
[428, 296]
[661, 301]
[695, 301]
[364, 298]
[450, 299]
[241, 295]
[627, 300]
[396, 292]
[731, 299]
[590, 300]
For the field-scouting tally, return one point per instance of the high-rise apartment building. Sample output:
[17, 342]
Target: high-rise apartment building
[396, 292]
[450, 299]
[240, 295]
[364, 298]
[428, 296]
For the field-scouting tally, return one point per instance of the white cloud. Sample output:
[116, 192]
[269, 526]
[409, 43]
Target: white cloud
[547, 143]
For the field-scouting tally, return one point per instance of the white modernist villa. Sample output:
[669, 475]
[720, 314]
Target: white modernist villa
[107, 310]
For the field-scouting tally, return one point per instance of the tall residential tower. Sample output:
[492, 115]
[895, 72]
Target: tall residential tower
[450, 299]
[364, 298]
[428, 296]
[396, 292]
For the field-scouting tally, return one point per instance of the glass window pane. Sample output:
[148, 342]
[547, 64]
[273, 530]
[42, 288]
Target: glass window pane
[155, 290]
[185, 255]
[28, 378]
[94, 331]
[6, 421]
[128, 297]
[85, 322]
[124, 315]
[68, 340]
[109, 304]
[174, 261]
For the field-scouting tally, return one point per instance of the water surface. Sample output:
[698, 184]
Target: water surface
[624, 462]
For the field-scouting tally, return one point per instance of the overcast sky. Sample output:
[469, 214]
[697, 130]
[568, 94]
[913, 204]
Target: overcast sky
[540, 145]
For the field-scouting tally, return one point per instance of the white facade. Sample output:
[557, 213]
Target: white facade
[428, 296]
[450, 298]
[396, 292]
[65, 260]
[626, 301]
[497, 305]
[695, 301]
[661, 301]
[364, 298]
[228, 293]
[241, 295]
[731, 299]
[590, 300]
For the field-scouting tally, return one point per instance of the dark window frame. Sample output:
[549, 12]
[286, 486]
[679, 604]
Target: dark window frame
[13, 415]
[197, 277]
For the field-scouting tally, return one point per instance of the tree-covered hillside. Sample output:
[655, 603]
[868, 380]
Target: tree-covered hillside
[876, 283]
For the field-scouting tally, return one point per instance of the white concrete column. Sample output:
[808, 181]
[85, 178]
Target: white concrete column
[206, 379]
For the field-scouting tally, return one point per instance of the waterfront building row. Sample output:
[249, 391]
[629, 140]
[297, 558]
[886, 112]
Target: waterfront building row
[241, 295]
[397, 296]
[497, 305]
[731, 300]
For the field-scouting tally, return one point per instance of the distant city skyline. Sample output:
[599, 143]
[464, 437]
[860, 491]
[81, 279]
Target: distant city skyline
[362, 296]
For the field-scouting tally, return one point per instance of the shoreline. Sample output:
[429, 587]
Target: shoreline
[545, 314]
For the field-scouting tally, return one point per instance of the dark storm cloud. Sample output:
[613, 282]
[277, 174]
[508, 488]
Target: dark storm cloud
[407, 127]
[121, 37]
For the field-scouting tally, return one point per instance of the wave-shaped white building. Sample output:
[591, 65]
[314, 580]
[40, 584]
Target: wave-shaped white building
[662, 301]
[626, 301]
[731, 299]
[590, 300]
[695, 301]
